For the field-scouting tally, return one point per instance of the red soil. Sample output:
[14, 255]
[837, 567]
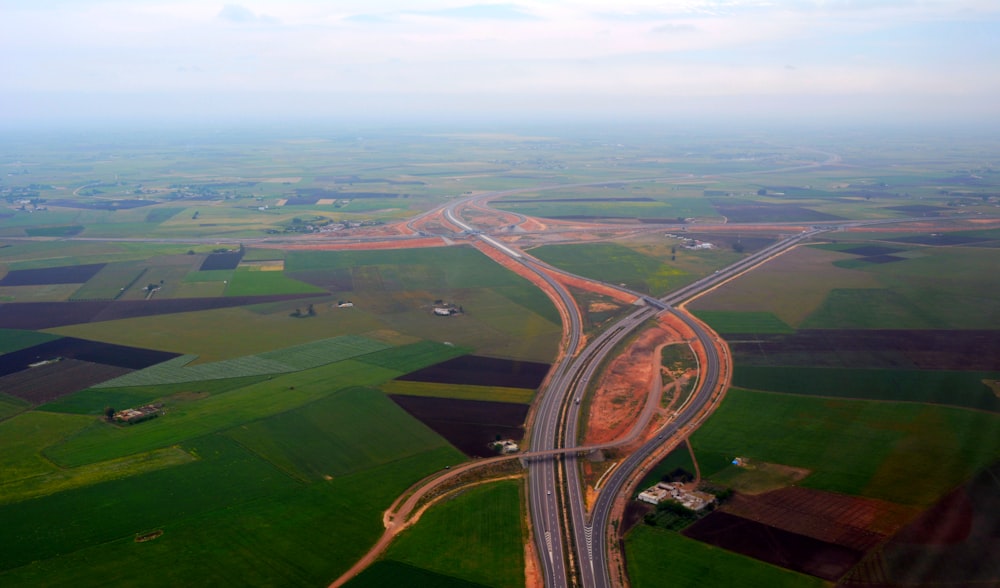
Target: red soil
[400, 244]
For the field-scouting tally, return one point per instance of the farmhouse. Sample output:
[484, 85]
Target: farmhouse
[505, 446]
[132, 416]
[673, 491]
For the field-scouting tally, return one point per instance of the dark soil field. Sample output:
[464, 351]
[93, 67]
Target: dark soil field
[133, 358]
[941, 239]
[752, 212]
[634, 512]
[849, 521]
[69, 274]
[47, 315]
[469, 425]
[775, 546]
[222, 261]
[954, 543]
[54, 380]
[482, 371]
[916, 349]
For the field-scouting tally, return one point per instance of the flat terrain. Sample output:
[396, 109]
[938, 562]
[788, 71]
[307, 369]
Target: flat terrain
[264, 290]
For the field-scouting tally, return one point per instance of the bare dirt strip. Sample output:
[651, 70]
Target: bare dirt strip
[364, 245]
[594, 287]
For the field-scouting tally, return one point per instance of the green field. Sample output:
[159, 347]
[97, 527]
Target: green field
[679, 457]
[10, 405]
[23, 437]
[101, 441]
[92, 401]
[112, 281]
[253, 282]
[806, 277]
[238, 518]
[225, 333]
[225, 475]
[665, 210]
[279, 361]
[901, 452]
[617, 264]
[654, 555]
[476, 535]
[389, 573]
[338, 435]
[743, 322]
[955, 388]
[14, 339]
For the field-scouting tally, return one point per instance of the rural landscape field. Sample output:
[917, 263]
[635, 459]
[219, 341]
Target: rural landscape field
[229, 356]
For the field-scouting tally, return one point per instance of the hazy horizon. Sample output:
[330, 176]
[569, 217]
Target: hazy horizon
[893, 62]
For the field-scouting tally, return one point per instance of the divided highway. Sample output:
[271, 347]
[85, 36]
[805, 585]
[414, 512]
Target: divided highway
[557, 416]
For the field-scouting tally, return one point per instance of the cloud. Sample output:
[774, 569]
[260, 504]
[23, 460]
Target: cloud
[670, 28]
[480, 12]
[236, 13]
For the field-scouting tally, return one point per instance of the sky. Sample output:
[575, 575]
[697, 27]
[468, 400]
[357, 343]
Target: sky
[828, 60]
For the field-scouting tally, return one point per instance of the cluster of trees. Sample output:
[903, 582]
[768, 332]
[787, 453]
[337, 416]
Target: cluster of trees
[297, 313]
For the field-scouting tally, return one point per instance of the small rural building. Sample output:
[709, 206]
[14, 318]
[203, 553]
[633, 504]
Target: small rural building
[131, 416]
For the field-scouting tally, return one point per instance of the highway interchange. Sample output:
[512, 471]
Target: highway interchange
[555, 492]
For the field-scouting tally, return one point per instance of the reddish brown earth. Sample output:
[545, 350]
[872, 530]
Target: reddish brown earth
[851, 521]
[775, 546]
[621, 394]
[395, 244]
[596, 288]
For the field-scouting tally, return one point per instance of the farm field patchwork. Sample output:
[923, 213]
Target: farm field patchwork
[793, 551]
[954, 388]
[482, 371]
[289, 359]
[859, 447]
[469, 425]
[93, 401]
[340, 434]
[459, 391]
[807, 276]
[693, 564]
[953, 541]
[101, 441]
[927, 349]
